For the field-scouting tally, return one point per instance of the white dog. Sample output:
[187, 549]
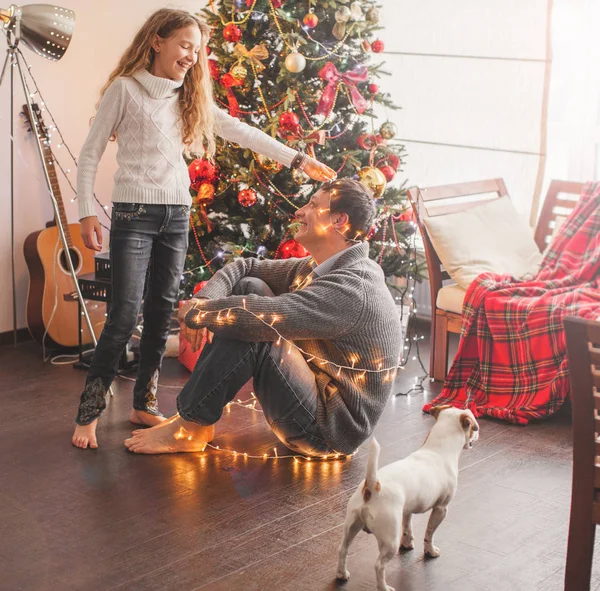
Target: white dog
[384, 504]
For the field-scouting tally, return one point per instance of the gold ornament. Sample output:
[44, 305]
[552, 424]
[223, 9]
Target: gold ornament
[372, 15]
[373, 179]
[239, 72]
[300, 177]
[268, 165]
[295, 62]
[356, 12]
[206, 194]
[256, 55]
[388, 130]
[343, 14]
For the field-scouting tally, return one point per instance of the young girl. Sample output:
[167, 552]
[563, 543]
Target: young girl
[157, 102]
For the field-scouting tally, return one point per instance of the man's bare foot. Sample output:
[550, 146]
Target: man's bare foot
[140, 417]
[171, 436]
[85, 435]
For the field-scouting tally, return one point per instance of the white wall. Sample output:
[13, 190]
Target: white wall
[468, 73]
[574, 110]
[70, 88]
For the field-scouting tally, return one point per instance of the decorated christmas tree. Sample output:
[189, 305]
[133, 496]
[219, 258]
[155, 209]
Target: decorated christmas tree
[303, 71]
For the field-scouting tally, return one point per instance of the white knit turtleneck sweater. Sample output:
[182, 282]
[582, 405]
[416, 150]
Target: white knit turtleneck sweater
[143, 111]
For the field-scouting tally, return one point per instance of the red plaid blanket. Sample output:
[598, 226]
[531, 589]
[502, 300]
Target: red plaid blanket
[511, 362]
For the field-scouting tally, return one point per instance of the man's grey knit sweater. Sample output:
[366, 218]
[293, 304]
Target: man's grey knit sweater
[346, 316]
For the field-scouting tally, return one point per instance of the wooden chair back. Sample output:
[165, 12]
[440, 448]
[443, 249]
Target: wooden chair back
[561, 198]
[442, 200]
[583, 350]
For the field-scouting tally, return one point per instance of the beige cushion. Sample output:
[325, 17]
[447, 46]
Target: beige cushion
[490, 237]
[451, 298]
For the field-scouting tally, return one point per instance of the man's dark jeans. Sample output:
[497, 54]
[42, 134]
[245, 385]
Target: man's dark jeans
[145, 240]
[283, 383]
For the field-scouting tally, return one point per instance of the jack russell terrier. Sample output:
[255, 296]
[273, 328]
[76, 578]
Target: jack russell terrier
[384, 504]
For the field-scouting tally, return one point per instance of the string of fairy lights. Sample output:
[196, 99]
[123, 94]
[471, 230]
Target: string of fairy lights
[54, 128]
[228, 315]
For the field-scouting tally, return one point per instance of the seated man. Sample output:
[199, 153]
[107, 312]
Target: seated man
[321, 343]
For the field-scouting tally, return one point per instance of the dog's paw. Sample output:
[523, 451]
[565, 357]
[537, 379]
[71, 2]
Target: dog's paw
[407, 543]
[342, 575]
[432, 551]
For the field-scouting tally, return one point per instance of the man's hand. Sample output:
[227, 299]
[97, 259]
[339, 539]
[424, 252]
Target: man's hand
[185, 309]
[195, 336]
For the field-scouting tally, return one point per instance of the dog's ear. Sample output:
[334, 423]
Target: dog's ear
[435, 411]
[467, 422]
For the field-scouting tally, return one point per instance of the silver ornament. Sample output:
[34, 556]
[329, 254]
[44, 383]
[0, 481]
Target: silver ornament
[295, 62]
[388, 130]
[300, 177]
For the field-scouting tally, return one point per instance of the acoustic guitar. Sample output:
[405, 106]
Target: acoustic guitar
[52, 308]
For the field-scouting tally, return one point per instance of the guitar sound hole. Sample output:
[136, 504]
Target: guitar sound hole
[74, 258]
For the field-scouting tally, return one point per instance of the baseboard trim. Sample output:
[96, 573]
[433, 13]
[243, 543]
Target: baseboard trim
[7, 338]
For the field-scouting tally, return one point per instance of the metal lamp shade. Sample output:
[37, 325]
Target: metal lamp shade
[44, 28]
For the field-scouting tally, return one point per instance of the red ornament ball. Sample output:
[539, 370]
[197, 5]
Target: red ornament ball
[365, 141]
[288, 120]
[232, 33]
[276, 3]
[377, 46]
[208, 50]
[311, 20]
[394, 161]
[247, 197]
[292, 249]
[199, 286]
[388, 172]
[201, 171]
[215, 71]
[373, 88]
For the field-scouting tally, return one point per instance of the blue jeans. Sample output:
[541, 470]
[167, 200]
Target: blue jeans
[146, 241]
[287, 391]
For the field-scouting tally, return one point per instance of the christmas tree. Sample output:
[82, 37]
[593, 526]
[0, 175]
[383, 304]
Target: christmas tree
[303, 72]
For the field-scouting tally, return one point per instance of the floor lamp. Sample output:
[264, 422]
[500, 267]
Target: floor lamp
[46, 30]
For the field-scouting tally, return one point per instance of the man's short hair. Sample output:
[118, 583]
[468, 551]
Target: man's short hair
[356, 201]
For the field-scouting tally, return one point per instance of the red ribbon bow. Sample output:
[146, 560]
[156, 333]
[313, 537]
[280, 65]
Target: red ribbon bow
[311, 137]
[332, 76]
[370, 141]
[228, 81]
[315, 137]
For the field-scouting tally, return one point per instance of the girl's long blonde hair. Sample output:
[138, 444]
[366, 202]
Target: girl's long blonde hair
[195, 96]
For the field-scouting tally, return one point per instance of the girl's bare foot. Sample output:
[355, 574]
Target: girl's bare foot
[140, 417]
[171, 436]
[85, 435]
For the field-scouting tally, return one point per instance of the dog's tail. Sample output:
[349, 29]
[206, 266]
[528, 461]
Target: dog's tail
[371, 483]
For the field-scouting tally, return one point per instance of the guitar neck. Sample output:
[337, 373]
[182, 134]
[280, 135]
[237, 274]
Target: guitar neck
[51, 170]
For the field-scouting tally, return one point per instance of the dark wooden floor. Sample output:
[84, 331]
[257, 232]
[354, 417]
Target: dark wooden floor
[107, 519]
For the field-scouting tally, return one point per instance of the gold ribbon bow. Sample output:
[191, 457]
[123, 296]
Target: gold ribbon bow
[255, 55]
